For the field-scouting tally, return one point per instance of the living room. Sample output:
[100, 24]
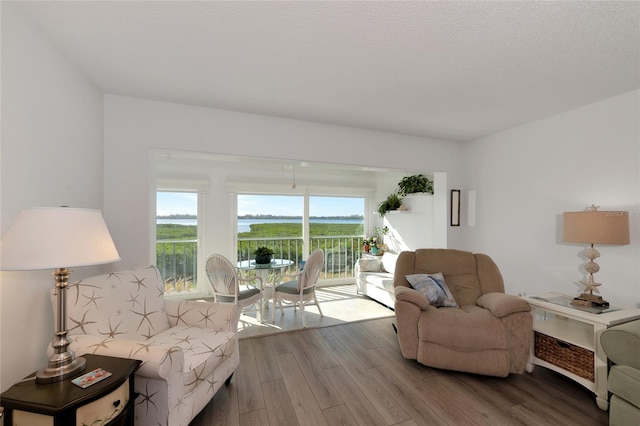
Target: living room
[66, 140]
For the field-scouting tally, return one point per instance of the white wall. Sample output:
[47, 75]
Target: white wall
[133, 127]
[52, 124]
[526, 177]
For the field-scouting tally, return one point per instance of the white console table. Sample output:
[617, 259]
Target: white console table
[580, 329]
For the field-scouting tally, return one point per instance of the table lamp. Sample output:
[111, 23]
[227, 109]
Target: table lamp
[595, 227]
[57, 238]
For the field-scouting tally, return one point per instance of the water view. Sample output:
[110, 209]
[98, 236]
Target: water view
[244, 224]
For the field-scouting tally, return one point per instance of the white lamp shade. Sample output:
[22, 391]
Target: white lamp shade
[56, 237]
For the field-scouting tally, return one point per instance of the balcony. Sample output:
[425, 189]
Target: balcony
[177, 259]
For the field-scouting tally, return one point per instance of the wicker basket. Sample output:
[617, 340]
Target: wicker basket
[569, 357]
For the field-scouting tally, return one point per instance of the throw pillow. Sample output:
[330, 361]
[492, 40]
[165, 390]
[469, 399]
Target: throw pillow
[434, 288]
[369, 265]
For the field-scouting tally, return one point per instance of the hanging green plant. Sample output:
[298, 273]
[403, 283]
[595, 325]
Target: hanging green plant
[393, 202]
[413, 184]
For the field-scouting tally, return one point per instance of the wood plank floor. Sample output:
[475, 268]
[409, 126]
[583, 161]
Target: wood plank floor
[354, 374]
[340, 304]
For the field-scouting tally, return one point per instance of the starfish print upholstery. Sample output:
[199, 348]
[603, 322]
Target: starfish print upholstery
[178, 316]
[81, 324]
[77, 287]
[188, 349]
[206, 317]
[91, 299]
[113, 332]
[134, 300]
[139, 282]
[145, 316]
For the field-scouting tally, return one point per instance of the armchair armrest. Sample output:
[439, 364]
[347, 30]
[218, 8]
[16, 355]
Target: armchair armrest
[501, 304]
[212, 315]
[250, 279]
[409, 306]
[292, 276]
[410, 295]
[159, 360]
[621, 343]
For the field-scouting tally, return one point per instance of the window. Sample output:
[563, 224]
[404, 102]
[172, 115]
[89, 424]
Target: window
[293, 226]
[177, 240]
[274, 221]
[336, 225]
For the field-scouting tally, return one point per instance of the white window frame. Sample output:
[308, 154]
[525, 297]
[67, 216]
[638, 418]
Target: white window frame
[306, 191]
[199, 187]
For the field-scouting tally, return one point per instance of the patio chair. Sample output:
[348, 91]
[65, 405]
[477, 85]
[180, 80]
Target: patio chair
[229, 287]
[301, 290]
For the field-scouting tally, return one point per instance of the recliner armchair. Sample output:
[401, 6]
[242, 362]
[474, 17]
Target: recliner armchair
[188, 349]
[621, 344]
[488, 333]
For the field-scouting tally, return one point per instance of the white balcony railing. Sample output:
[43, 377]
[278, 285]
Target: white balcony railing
[177, 260]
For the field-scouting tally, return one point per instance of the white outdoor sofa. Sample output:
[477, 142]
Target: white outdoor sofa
[374, 277]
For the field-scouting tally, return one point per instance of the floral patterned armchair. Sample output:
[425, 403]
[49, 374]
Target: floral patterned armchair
[188, 349]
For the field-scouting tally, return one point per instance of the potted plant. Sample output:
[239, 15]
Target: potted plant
[416, 183]
[393, 202]
[263, 255]
[374, 246]
[366, 244]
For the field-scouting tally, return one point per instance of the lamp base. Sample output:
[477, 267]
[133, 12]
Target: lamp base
[56, 373]
[63, 362]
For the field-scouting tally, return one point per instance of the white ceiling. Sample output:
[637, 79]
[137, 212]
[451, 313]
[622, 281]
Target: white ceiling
[449, 70]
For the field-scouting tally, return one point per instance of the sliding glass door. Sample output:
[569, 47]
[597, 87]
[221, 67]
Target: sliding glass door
[294, 225]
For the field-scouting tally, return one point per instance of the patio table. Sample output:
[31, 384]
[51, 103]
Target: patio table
[262, 269]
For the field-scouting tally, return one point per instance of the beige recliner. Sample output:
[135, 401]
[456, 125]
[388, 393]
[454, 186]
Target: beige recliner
[489, 332]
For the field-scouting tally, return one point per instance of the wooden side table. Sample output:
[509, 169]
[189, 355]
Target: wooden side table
[108, 402]
[573, 335]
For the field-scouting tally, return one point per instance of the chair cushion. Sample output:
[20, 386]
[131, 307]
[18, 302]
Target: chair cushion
[242, 295]
[204, 350]
[379, 279]
[126, 305]
[369, 265]
[624, 381]
[291, 287]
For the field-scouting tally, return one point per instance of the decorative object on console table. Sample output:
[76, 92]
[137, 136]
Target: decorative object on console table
[595, 227]
[58, 238]
[109, 401]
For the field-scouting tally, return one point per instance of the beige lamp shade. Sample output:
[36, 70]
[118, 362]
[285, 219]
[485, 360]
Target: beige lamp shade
[596, 227]
[56, 237]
